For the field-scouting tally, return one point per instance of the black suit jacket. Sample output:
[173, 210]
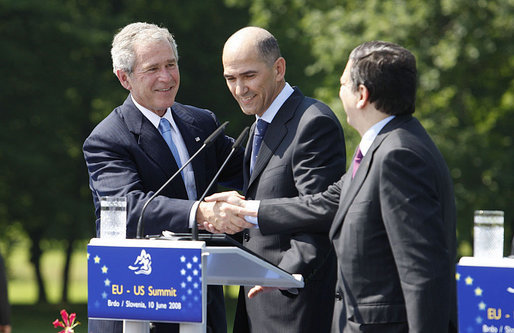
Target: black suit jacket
[127, 156]
[303, 151]
[393, 228]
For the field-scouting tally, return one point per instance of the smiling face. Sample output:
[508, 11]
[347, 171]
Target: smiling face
[155, 78]
[253, 82]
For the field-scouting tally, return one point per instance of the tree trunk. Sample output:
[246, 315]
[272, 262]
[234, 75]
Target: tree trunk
[35, 258]
[66, 271]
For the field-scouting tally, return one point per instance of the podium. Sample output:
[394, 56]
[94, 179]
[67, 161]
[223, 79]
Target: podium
[159, 280]
[485, 289]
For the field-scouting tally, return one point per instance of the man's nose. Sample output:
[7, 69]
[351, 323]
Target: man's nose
[165, 74]
[241, 88]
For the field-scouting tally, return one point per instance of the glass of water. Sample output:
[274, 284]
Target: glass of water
[488, 234]
[113, 217]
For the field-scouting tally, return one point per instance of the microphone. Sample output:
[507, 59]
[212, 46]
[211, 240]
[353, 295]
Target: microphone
[207, 142]
[237, 144]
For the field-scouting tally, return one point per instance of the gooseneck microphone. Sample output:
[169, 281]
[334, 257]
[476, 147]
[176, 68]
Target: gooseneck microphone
[207, 142]
[236, 145]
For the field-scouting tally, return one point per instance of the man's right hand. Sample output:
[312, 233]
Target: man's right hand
[222, 217]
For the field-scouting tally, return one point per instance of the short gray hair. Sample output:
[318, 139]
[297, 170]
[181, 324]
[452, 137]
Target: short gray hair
[122, 51]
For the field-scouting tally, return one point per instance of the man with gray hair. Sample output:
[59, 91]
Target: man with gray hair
[140, 144]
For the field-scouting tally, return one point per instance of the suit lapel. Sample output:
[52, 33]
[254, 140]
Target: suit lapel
[246, 158]
[352, 186]
[349, 191]
[275, 133]
[190, 134]
[150, 140]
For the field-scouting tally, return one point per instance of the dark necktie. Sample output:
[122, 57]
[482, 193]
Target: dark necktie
[356, 162]
[260, 130]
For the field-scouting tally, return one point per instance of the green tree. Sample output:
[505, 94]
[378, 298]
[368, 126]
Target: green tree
[57, 84]
[465, 60]
[49, 54]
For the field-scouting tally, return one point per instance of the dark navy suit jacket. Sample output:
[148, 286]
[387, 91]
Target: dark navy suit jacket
[126, 156]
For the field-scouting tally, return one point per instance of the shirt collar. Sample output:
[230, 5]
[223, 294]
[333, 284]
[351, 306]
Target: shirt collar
[152, 116]
[272, 111]
[371, 134]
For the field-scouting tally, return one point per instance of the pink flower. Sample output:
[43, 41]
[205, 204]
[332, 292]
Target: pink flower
[58, 323]
[68, 324]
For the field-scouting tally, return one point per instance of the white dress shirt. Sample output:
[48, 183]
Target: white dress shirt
[371, 134]
[187, 173]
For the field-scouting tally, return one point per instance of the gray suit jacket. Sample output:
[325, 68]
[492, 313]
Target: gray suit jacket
[303, 151]
[127, 156]
[393, 228]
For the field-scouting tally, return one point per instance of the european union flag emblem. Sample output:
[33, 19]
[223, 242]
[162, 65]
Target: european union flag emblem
[159, 284]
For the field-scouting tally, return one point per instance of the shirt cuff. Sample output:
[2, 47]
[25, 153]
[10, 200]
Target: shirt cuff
[254, 206]
[192, 214]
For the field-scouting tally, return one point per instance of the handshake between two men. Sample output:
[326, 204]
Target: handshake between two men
[225, 213]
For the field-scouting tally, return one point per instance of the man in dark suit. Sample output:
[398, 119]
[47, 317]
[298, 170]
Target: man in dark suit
[5, 309]
[302, 151]
[392, 215]
[137, 147]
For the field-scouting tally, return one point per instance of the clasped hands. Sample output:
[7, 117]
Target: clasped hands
[224, 213]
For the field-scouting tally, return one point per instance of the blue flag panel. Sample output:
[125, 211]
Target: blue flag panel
[145, 283]
[486, 299]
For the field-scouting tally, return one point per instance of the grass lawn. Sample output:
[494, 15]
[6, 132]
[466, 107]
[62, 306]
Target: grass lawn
[28, 317]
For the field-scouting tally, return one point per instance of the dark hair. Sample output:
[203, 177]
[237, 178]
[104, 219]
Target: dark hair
[268, 49]
[388, 71]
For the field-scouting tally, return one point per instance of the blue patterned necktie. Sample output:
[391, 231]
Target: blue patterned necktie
[357, 161]
[260, 130]
[165, 129]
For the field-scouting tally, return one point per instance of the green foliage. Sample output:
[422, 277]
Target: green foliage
[57, 84]
[465, 60]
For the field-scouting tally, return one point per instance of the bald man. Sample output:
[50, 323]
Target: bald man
[296, 147]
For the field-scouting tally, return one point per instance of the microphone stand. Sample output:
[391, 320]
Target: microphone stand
[207, 142]
[237, 144]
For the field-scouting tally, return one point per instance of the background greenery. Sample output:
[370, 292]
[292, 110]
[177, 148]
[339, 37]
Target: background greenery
[57, 84]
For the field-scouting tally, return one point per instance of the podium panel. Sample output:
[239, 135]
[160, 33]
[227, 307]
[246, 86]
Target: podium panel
[145, 280]
[163, 280]
[485, 290]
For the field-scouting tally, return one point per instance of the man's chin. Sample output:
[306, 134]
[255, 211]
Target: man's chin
[248, 111]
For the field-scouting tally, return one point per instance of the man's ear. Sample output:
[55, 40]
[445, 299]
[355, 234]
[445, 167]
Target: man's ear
[123, 77]
[280, 68]
[363, 96]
